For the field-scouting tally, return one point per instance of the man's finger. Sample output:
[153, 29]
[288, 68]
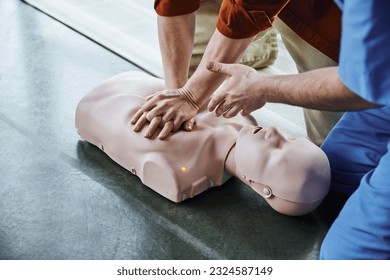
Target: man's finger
[152, 95]
[188, 125]
[222, 108]
[177, 122]
[169, 115]
[137, 115]
[140, 123]
[232, 111]
[154, 113]
[152, 127]
[221, 68]
[245, 112]
[216, 100]
[168, 126]
[150, 104]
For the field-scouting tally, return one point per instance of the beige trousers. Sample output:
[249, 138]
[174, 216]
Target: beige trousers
[306, 58]
[261, 52]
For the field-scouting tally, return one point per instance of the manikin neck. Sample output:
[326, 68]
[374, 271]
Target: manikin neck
[230, 166]
[230, 162]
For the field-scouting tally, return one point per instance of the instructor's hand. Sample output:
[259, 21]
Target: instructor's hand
[238, 94]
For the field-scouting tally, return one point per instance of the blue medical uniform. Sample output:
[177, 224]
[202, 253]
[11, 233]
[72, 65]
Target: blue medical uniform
[359, 146]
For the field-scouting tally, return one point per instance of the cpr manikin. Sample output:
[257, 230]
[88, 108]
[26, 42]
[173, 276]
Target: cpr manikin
[293, 175]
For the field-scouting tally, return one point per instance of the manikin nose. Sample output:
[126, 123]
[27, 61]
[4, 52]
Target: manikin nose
[275, 137]
[270, 133]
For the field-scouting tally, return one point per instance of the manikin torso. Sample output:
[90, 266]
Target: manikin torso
[183, 165]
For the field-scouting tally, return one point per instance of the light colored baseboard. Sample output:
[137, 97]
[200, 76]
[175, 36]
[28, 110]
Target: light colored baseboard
[127, 28]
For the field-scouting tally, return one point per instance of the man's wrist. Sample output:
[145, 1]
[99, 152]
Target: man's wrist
[189, 96]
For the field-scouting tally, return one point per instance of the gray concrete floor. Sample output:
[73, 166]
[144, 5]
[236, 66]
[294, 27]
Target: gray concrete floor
[62, 198]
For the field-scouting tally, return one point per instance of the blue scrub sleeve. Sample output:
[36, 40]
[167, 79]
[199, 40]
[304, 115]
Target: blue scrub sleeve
[364, 65]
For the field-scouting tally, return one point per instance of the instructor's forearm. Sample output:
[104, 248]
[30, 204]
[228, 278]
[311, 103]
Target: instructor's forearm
[221, 49]
[319, 89]
[176, 38]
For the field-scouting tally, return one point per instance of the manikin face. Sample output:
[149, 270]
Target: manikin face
[292, 169]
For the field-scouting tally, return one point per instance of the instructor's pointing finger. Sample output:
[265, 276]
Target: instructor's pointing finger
[217, 67]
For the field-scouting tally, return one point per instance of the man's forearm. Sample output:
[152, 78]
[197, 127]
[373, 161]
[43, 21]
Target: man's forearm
[176, 38]
[319, 89]
[222, 49]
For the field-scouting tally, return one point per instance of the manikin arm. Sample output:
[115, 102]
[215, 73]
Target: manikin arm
[319, 89]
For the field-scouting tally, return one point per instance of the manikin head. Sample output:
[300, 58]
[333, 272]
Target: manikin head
[293, 175]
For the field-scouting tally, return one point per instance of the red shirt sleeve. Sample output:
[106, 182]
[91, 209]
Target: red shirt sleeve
[240, 19]
[170, 8]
